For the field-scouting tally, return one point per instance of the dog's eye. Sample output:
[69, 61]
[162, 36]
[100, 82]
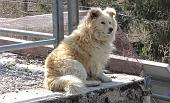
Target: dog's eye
[102, 22]
[109, 22]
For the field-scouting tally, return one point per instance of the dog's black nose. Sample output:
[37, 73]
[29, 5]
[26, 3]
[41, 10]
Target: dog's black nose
[110, 30]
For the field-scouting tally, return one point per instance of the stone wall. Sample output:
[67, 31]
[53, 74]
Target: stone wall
[123, 89]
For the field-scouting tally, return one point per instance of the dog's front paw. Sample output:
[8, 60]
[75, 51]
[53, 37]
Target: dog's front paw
[104, 78]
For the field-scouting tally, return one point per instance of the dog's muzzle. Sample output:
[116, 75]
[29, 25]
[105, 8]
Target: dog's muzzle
[110, 30]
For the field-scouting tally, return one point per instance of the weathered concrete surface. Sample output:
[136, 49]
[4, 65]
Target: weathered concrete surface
[123, 64]
[123, 89]
[157, 70]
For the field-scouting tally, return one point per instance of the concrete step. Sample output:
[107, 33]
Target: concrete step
[123, 89]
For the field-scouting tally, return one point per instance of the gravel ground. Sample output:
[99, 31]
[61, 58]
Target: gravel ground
[19, 73]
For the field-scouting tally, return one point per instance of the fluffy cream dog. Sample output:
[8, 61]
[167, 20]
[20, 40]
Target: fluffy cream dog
[79, 59]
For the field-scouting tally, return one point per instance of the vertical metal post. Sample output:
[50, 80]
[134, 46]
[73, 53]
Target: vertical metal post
[58, 23]
[73, 15]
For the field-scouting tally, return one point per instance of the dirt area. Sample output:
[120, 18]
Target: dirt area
[20, 73]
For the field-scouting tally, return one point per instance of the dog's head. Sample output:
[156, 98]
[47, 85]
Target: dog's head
[102, 22]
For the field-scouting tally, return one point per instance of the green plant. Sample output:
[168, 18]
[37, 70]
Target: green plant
[43, 6]
[26, 70]
[148, 9]
[150, 25]
[10, 64]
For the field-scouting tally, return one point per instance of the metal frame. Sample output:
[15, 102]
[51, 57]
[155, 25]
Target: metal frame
[161, 97]
[58, 27]
[58, 23]
[73, 15]
[24, 32]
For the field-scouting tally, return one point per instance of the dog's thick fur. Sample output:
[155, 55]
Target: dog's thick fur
[79, 59]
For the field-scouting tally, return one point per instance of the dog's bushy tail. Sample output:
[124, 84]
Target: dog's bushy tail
[69, 83]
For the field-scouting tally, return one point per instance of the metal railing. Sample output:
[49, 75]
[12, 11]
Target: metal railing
[58, 27]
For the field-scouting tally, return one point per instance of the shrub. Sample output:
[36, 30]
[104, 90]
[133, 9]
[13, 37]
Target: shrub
[151, 26]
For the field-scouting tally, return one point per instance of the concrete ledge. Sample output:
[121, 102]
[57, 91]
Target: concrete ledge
[123, 64]
[156, 70]
[123, 89]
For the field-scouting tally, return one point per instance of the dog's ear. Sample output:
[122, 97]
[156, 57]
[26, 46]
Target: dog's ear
[94, 13]
[110, 11]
